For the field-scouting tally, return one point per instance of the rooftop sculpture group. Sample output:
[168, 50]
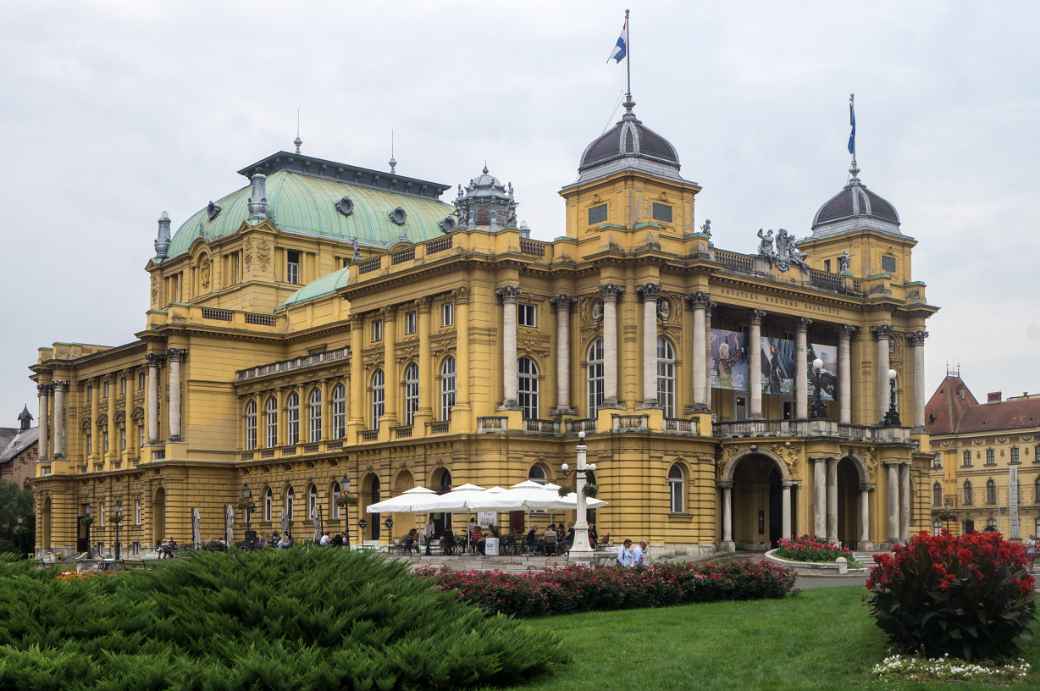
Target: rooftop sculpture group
[785, 251]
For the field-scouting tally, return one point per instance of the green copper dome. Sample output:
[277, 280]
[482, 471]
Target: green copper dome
[315, 198]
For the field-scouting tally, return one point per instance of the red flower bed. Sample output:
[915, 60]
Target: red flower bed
[806, 548]
[969, 596]
[581, 589]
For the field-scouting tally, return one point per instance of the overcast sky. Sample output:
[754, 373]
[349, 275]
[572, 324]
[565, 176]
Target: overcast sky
[111, 112]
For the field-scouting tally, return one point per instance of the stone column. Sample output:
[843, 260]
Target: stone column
[707, 355]
[462, 403]
[610, 295]
[755, 364]
[154, 360]
[785, 516]
[60, 387]
[563, 354]
[174, 357]
[881, 335]
[113, 428]
[916, 340]
[43, 396]
[425, 411]
[801, 369]
[95, 410]
[832, 500]
[356, 414]
[128, 413]
[892, 502]
[820, 499]
[390, 381]
[699, 301]
[649, 293]
[905, 496]
[727, 516]
[845, 373]
[510, 380]
[864, 519]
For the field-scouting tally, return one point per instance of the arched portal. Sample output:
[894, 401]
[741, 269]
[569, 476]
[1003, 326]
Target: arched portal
[159, 516]
[370, 495]
[756, 487]
[440, 482]
[848, 502]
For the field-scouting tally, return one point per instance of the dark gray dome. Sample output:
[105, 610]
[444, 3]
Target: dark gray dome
[855, 201]
[629, 138]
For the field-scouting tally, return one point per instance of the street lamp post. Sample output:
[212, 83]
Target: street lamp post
[581, 549]
[117, 518]
[818, 411]
[891, 418]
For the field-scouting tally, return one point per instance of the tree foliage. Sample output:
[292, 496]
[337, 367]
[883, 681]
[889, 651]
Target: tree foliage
[17, 523]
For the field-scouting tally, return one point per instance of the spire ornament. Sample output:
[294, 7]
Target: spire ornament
[298, 142]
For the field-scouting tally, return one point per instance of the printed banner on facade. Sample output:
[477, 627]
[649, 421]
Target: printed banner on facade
[829, 373]
[729, 360]
[778, 366]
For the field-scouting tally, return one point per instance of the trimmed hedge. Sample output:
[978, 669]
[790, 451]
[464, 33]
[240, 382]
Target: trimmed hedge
[582, 589]
[806, 548]
[969, 596]
[305, 618]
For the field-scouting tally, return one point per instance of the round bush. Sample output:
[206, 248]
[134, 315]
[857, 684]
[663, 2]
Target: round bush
[969, 596]
[305, 618]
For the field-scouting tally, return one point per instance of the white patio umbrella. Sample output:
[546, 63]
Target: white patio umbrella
[456, 501]
[403, 503]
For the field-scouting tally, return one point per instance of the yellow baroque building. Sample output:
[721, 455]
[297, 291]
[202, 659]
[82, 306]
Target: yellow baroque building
[329, 329]
[986, 472]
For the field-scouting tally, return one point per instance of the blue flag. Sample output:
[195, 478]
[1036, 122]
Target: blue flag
[852, 121]
[621, 47]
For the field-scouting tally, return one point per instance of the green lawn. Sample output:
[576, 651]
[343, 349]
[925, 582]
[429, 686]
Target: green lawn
[818, 639]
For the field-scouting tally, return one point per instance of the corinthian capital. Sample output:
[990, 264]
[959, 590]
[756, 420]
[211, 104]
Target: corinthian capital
[177, 354]
[611, 291]
[508, 294]
[916, 338]
[649, 291]
[155, 359]
[699, 299]
[882, 331]
[562, 301]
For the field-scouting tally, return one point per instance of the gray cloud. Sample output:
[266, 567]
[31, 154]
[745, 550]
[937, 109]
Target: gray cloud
[112, 112]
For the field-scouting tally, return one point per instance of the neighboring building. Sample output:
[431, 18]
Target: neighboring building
[275, 364]
[18, 450]
[987, 469]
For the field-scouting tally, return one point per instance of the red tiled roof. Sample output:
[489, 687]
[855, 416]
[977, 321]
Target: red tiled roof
[953, 409]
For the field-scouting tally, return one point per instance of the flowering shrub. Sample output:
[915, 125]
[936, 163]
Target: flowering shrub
[946, 668]
[581, 589]
[806, 548]
[968, 596]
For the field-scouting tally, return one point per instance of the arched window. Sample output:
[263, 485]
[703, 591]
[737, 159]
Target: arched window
[137, 511]
[991, 492]
[292, 419]
[1036, 494]
[967, 493]
[411, 392]
[268, 501]
[312, 502]
[528, 387]
[447, 387]
[314, 415]
[377, 397]
[666, 376]
[936, 494]
[594, 375]
[339, 411]
[271, 419]
[290, 495]
[538, 474]
[677, 488]
[334, 502]
[250, 425]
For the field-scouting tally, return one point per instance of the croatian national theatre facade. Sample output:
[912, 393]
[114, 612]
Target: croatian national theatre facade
[328, 324]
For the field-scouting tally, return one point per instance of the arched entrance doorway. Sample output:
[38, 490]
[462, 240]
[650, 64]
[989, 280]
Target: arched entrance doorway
[849, 510]
[441, 484]
[159, 516]
[370, 495]
[756, 502]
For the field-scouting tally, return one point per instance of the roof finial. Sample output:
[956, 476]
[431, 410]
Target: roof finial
[485, 167]
[853, 167]
[393, 161]
[297, 141]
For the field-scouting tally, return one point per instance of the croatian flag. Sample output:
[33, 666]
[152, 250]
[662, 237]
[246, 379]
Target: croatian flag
[852, 122]
[621, 47]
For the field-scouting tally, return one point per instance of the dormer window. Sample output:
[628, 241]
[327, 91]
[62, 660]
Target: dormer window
[662, 212]
[597, 214]
[292, 266]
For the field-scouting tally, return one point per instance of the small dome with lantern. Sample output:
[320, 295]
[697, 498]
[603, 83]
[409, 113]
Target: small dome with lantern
[486, 202]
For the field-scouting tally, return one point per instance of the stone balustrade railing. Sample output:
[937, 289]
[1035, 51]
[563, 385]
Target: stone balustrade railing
[811, 428]
[301, 362]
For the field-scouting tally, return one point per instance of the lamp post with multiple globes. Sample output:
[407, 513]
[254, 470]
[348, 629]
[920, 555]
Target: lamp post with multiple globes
[581, 549]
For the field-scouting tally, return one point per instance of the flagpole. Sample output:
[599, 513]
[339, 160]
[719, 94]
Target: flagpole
[628, 63]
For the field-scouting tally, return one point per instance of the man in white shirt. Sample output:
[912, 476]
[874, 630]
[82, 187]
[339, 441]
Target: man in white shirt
[625, 555]
[639, 554]
[325, 539]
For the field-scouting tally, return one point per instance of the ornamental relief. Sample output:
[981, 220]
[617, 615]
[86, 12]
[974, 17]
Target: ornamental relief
[534, 344]
[786, 454]
[204, 271]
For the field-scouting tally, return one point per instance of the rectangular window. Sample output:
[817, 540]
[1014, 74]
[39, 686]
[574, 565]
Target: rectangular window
[409, 323]
[140, 380]
[827, 265]
[292, 266]
[1014, 455]
[122, 437]
[967, 459]
[1036, 455]
[122, 385]
[597, 214]
[527, 314]
[447, 314]
[662, 212]
[140, 436]
[990, 458]
[377, 330]
[888, 263]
